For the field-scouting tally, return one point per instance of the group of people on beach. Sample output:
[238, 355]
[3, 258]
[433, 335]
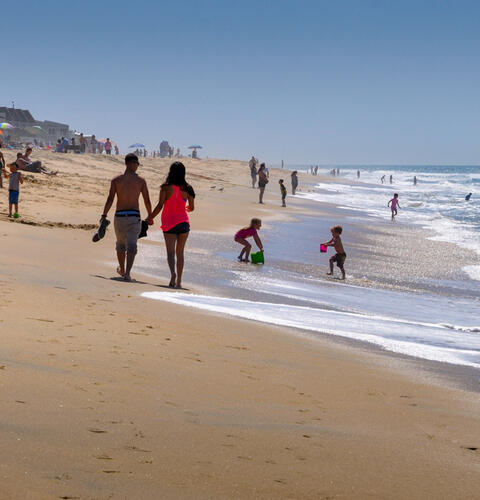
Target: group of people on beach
[176, 201]
[83, 144]
[15, 178]
[261, 171]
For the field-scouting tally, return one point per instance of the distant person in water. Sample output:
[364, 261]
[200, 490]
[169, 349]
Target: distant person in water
[262, 181]
[414, 180]
[340, 256]
[469, 195]
[283, 192]
[382, 179]
[127, 187]
[247, 232]
[358, 174]
[391, 179]
[394, 205]
[175, 193]
[294, 177]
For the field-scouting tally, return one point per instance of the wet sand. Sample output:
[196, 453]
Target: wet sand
[108, 395]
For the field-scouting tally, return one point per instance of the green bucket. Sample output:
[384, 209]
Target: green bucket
[257, 258]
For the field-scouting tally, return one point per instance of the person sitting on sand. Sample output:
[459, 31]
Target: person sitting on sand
[24, 162]
[127, 222]
[262, 182]
[247, 232]
[14, 180]
[394, 205]
[283, 192]
[174, 195]
[340, 256]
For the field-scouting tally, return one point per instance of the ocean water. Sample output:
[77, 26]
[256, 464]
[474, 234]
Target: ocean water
[436, 203]
[290, 290]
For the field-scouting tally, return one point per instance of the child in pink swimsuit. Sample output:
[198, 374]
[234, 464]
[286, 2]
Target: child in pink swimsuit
[247, 232]
[394, 205]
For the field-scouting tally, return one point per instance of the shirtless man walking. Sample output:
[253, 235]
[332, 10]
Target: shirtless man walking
[127, 222]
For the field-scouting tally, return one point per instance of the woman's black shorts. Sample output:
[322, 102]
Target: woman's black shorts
[183, 227]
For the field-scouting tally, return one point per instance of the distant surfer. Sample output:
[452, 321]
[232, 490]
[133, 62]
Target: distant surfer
[468, 196]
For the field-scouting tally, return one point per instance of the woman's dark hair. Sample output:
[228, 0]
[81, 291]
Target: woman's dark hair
[176, 177]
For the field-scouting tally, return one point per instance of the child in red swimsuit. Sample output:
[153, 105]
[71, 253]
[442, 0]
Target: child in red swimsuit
[247, 232]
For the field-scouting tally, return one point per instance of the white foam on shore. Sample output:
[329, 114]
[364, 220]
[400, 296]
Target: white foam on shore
[473, 272]
[432, 342]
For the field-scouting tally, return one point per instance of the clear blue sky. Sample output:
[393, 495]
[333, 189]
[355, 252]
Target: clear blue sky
[307, 81]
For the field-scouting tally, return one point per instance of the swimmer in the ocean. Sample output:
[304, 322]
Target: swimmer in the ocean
[468, 196]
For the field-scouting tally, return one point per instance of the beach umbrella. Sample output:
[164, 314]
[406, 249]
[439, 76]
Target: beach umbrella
[34, 130]
[195, 147]
[137, 145]
[6, 126]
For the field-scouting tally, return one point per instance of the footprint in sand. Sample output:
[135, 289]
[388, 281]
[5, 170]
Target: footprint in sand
[96, 431]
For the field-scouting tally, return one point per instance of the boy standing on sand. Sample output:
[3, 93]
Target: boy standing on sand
[14, 180]
[283, 191]
[127, 222]
[340, 256]
[393, 204]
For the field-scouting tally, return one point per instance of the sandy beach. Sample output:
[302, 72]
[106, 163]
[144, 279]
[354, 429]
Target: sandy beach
[108, 395]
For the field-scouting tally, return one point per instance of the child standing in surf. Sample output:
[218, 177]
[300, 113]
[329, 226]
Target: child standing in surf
[340, 256]
[247, 232]
[394, 205]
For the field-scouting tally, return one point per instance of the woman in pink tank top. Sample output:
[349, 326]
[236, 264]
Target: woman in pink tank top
[174, 195]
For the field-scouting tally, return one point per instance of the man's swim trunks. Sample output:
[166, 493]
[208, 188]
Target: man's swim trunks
[127, 225]
[339, 258]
